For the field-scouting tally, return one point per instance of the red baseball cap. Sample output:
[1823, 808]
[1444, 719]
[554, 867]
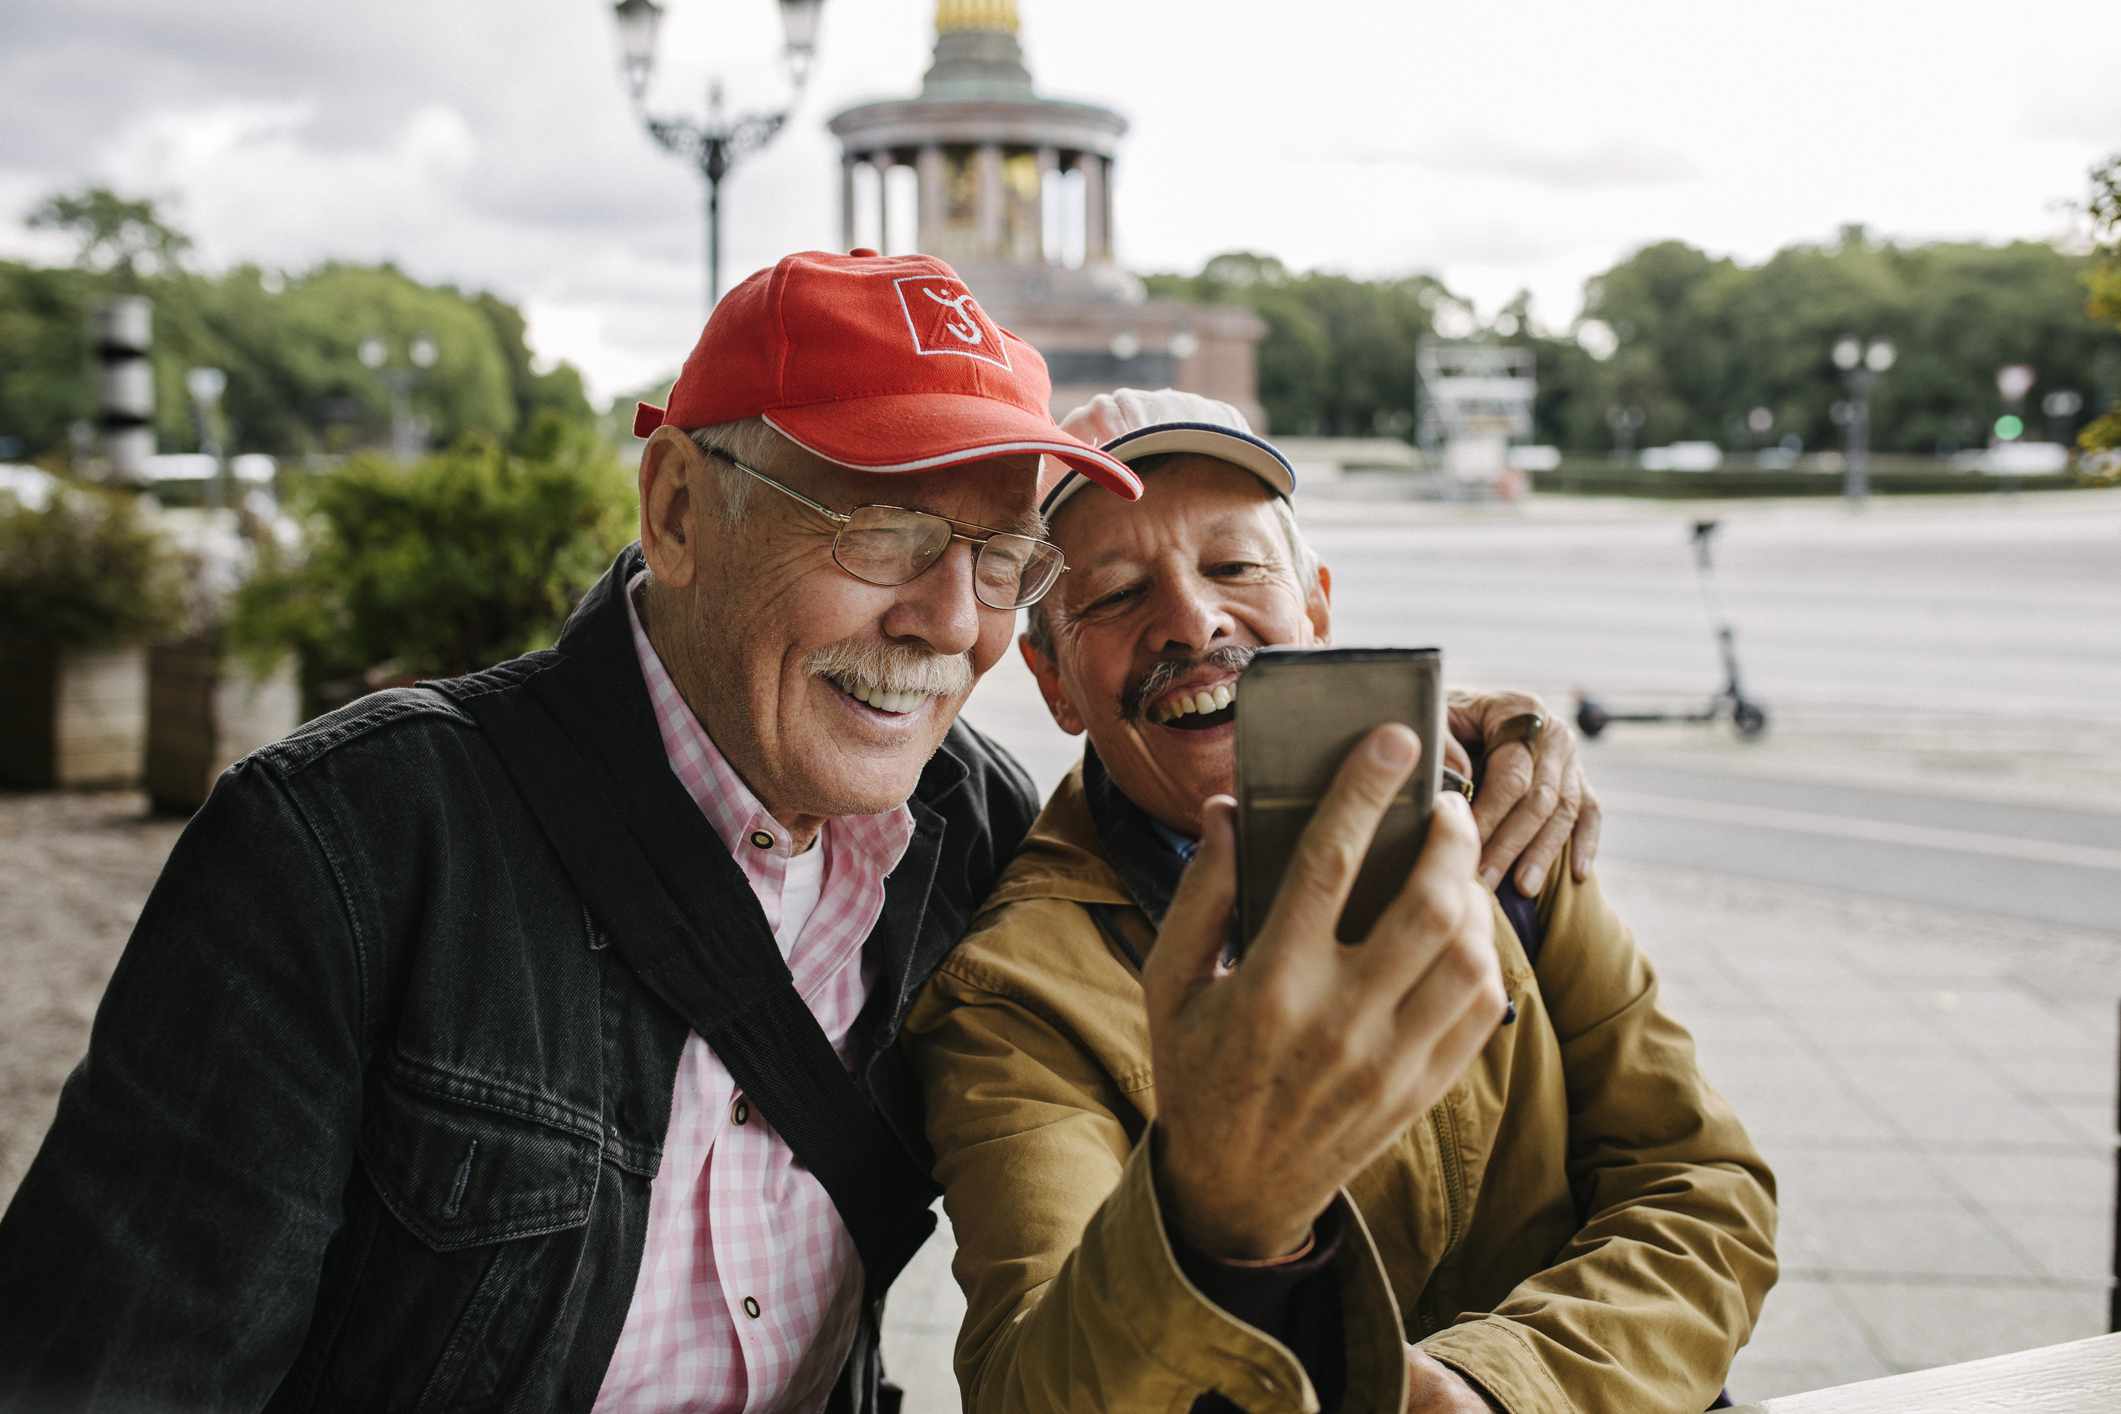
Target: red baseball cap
[879, 363]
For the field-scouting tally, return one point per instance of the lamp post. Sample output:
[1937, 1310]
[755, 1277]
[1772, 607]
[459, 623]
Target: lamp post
[205, 387]
[407, 435]
[716, 143]
[1860, 364]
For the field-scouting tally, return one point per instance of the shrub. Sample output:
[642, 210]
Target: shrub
[438, 567]
[86, 570]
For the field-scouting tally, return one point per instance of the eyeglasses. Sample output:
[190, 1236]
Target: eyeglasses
[892, 545]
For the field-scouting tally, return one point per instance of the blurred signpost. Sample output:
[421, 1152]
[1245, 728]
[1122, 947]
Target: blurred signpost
[1474, 398]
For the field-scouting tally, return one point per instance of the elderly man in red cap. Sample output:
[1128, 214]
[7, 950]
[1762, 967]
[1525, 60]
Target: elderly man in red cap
[523, 1040]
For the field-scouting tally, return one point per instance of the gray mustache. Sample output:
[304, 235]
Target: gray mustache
[1231, 658]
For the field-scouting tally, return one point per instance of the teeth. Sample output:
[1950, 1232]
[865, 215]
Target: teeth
[1211, 700]
[886, 701]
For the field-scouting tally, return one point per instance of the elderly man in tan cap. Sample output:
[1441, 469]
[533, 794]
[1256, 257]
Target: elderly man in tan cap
[1470, 1163]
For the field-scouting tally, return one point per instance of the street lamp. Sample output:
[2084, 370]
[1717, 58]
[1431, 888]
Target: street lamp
[407, 434]
[1860, 364]
[205, 386]
[715, 144]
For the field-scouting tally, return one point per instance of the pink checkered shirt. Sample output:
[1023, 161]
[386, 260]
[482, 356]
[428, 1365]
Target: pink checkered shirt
[750, 1288]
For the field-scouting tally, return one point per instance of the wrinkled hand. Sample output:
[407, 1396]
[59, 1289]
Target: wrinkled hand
[1533, 797]
[1435, 1388]
[1279, 1080]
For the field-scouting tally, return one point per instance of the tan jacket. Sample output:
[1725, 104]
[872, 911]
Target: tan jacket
[1580, 1224]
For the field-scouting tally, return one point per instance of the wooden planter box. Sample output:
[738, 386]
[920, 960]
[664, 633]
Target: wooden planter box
[69, 717]
[205, 711]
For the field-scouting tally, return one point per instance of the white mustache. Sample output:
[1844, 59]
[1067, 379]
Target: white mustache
[891, 667]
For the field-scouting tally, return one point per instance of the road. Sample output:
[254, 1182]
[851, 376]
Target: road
[1943, 678]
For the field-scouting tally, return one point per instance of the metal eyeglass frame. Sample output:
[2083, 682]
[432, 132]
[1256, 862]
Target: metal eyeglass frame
[842, 519]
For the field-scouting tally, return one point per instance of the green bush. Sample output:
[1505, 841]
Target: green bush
[86, 570]
[438, 567]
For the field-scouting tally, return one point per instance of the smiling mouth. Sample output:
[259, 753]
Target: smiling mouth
[876, 699]
[1197, 711]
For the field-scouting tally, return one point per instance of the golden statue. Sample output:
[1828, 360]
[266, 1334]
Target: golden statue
[990, 15]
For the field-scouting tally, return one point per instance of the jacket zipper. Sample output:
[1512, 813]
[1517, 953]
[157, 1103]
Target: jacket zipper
[1444, 1121]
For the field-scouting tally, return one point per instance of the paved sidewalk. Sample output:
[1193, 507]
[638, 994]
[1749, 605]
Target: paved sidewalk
[1935, 1090]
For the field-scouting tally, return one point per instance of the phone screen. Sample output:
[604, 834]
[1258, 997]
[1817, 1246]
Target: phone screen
[1299, 712]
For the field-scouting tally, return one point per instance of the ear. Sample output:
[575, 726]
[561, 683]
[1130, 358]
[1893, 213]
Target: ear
[1047, 671]
[674, 473]
[1319, 606]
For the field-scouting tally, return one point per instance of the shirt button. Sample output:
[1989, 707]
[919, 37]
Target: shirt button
[740, 1112]
[762, 839]
[751, 1307]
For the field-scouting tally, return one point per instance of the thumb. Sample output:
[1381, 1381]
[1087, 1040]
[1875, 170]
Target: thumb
[1191, 940]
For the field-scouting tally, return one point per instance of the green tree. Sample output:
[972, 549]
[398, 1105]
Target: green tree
[115, 235]
[44, 348]
[2104, 279]
[440, 566]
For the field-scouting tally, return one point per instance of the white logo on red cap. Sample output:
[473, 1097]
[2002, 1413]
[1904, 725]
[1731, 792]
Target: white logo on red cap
[944, 319]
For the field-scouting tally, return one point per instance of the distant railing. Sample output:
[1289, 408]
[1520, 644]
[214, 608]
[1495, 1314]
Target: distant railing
[1888, 477]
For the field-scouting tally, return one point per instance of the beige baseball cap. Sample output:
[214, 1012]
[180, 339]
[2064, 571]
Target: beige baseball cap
[1131, 424]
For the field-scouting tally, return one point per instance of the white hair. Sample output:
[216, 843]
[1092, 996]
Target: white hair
[752, 441]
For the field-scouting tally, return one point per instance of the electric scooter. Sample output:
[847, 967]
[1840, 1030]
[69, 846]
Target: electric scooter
[1748, 716]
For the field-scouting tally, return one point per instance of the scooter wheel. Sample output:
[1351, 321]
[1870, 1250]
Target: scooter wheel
[1750, 718]
[1590, 717]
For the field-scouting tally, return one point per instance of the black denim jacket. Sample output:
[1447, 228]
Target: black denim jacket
[370, 1107]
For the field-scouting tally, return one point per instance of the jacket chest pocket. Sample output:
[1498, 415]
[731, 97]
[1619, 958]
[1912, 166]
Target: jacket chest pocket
[468, 1267]
[460, 1173]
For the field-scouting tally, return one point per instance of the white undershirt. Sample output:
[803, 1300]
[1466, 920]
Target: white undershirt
[801, 886]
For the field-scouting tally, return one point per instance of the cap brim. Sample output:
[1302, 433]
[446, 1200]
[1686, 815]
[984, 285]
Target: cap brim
[916, 432]
[1202, 438]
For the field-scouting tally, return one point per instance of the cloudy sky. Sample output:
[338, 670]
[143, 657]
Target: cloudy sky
[1500, 146]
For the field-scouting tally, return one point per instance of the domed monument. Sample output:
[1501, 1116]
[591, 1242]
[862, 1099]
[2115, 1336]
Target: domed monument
[1015, 190]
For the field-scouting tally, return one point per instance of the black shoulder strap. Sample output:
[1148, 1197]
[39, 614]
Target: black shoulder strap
[696, 936]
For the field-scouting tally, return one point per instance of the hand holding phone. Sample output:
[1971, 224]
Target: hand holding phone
[1299, 713]
[1277, 1082]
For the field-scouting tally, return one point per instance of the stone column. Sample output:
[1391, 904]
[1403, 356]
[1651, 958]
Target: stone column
[1097, 227]
[881, 160]
[847, 161]
[934, 211]
[1048, 190]
[990, 200]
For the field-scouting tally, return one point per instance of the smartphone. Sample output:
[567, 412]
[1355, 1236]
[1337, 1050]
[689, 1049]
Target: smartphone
[1299, 712]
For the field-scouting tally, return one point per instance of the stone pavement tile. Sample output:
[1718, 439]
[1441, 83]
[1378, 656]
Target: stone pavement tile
[2055, 1180]
[2067, 1246]
[1805, 1321]
[1824, 1174]
[1756, 1377]
[1887, 1032]
[2078, 1074]
[1977, 1121]
[1998, 1020]
[1919, 1324]
[1902, 960]
[1906, 1241]
[2085, 1119]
